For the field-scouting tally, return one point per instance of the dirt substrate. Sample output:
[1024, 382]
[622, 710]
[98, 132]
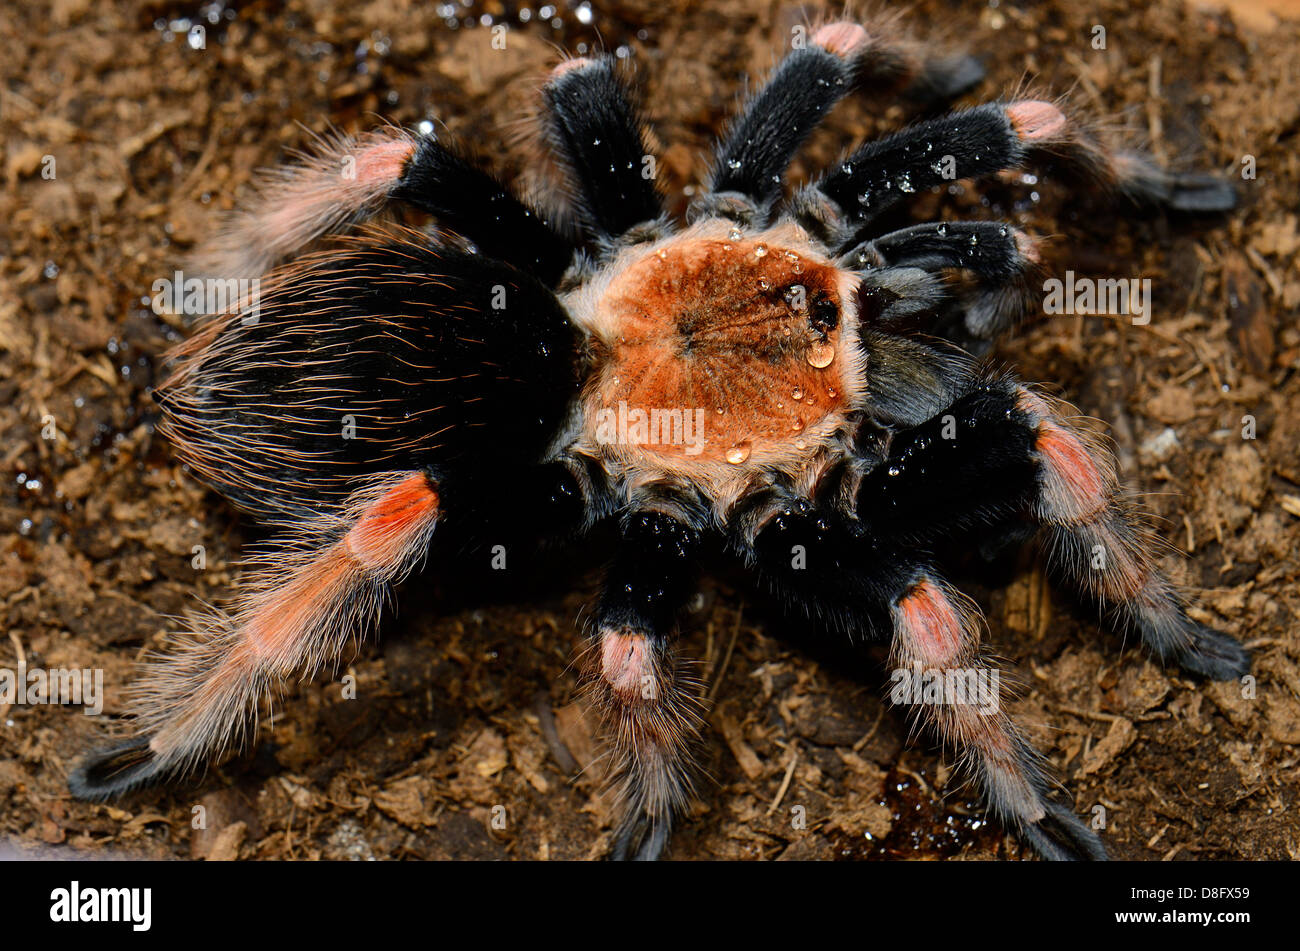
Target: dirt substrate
[467, 703]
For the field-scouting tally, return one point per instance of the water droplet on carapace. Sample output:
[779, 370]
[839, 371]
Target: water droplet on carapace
[760, 250]
[738, 453]
[801, 444]
[764, 284]
[821, 355]
[734, 234]
[797, 394]
[797, 424]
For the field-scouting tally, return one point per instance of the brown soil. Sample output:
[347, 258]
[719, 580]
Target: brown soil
[463, 705]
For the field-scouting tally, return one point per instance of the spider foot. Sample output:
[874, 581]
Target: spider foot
[1061, 836]
[114, 771]
[640, 837]
[1214, 654]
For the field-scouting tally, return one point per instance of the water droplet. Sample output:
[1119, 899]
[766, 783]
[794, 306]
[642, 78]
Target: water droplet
[764, 284]
[734, 164]
[894, 470]
[821, 355]
[801, 444]
[792, 257]
[734, 234]
[905, 184]
[847, 168]
[739, 453]
[942, 230]
[662, 254]
[797, 424]
[786, 331]
[864, 198]
[797, 394]
[760, 251]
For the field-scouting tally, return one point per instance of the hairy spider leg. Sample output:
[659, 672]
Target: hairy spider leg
[838, 57]
[347, 180]
[1002, 451]
[645, 693]
[596, 132]
[975, 143]
[300, 601]
[864, 584]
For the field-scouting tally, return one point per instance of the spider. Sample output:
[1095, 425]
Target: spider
[781, 376]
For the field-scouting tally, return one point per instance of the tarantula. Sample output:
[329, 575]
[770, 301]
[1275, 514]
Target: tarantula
[776, 376]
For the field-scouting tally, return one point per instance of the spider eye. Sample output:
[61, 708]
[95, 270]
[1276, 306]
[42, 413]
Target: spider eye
[825, 314]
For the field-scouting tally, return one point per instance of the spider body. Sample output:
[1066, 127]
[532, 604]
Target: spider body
[739, 336]
[785, 376]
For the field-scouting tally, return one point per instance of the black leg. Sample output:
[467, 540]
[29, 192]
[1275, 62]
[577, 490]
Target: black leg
[978, 142]
[472, 203]
[597, 133]
[1003, 259]
[938, 669]
[648, 700]
[1003, 451]
[347, 180]
[838, 57]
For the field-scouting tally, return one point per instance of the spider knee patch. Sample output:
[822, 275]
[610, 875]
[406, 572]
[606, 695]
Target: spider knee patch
[935, 629]
[345, 180]
[844, 39]
[1076, 481]
[627, 665]
[1036, 121]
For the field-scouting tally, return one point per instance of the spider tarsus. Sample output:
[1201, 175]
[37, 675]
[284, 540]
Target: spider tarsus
[1061, 836]
[115, 771]
[640, 838]
[1214, 655]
